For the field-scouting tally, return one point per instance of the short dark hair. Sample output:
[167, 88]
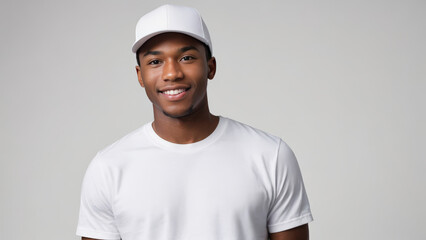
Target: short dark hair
[208, 53]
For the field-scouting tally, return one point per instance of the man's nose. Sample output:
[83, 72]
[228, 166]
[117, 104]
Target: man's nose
[172, 71]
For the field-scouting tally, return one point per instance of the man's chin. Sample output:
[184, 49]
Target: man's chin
[178, 115]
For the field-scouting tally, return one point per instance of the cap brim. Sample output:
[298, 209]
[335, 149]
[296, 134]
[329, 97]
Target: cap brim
[143, 40]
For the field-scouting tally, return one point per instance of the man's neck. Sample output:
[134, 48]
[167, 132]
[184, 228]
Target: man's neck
[188, 129]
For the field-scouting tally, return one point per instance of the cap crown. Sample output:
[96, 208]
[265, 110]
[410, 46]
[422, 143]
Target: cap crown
[171, 18]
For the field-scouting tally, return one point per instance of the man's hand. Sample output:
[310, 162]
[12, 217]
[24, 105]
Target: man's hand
[297, 233]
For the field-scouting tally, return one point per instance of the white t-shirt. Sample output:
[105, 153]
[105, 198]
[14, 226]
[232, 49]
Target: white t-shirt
[236, 184]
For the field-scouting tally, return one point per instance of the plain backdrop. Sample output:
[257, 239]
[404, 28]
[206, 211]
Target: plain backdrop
[342, 82]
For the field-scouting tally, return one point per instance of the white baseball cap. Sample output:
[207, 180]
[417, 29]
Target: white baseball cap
[171, 18]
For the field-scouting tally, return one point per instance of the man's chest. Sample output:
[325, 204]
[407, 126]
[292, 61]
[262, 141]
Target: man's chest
[174, 194]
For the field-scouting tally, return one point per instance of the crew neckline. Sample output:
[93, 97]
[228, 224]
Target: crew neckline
[186, 147]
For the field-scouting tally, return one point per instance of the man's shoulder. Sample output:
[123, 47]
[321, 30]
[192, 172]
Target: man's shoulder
[132, 140]
[249, 133]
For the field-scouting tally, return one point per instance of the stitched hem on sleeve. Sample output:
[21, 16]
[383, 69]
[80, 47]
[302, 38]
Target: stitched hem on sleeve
[307, 218]
[89, 233]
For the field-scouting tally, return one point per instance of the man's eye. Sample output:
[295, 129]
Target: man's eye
[187, 58]
[154, 62]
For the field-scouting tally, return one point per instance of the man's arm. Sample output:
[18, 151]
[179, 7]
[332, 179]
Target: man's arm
[297, 233]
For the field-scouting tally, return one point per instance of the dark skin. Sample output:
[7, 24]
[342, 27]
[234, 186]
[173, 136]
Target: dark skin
[173, 61]
[177, 61]
[297, 233]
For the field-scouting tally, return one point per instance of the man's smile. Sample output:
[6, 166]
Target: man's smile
[174, 93]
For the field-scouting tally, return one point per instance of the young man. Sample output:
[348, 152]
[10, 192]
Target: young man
[190, 175]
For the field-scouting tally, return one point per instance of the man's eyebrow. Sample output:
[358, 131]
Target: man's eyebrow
[187, 48]
[152, 53]
[182, 50]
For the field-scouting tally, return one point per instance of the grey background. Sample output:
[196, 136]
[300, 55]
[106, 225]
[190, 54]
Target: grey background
[342, 82]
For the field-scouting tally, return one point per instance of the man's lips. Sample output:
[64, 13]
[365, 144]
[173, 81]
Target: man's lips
[170, 91]
[175, 93]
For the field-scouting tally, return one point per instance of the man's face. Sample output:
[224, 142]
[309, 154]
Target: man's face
[174, 72]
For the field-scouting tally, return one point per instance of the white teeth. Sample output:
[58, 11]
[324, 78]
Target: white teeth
[174, 91]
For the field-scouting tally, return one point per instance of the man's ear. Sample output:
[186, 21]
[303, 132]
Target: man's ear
[139, 73]
[212, 67]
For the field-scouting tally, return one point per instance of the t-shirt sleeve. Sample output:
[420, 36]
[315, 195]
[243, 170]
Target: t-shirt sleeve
[290, 206]
[96, 218]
